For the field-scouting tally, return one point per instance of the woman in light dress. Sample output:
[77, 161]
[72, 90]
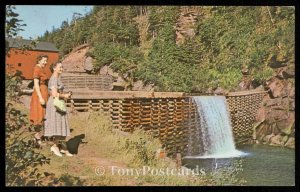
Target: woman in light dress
[56, 123]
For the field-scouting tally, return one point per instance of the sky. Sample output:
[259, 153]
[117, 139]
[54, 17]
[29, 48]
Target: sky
[40, 18]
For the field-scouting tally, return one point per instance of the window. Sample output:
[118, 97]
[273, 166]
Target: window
[19, 64]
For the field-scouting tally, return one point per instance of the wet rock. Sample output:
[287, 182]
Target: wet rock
[267, 138]
[262, 130]
[277, 140]
[285, 138]
[290, 143]
[274, 129]
[261, 137]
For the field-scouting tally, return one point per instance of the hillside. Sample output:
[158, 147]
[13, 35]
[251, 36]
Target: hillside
[204, 49]
[207, 46]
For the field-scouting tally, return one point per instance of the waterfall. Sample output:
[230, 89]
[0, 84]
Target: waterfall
[214, 131]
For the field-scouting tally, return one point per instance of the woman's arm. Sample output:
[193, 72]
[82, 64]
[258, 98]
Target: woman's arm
[56, 94]
[38, 91]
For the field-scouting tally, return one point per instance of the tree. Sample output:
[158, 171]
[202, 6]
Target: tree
[12, 24]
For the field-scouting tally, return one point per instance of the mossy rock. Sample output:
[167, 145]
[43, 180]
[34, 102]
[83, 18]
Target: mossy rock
[288, 130]
[285, 138]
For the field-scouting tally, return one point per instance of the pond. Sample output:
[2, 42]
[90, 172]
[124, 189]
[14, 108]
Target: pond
[262, 166]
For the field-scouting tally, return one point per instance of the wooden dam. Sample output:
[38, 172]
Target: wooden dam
[170, 116]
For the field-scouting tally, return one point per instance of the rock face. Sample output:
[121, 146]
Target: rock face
[275, 121]
[185, 24]
[75, 61]
[78, 61]
[124, 82]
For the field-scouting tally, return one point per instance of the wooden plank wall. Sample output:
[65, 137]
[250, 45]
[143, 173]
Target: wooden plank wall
[243, 110]
[93, 82]
[166, 118]
[173, 120]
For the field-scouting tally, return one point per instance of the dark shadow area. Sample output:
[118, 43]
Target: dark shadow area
[73, 143]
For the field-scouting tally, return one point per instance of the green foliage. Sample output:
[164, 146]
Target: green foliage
[141, 151]
[228, 175]
[12, 23]
[121, 58]
[12, 85]
[69, 180]
[21, 156]
[226, 38]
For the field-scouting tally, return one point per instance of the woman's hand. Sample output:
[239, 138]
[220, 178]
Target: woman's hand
[42, 101]
[68, 95]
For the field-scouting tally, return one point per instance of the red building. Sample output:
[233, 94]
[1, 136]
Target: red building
[21, 60]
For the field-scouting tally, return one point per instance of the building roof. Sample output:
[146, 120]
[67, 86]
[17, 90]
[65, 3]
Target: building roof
[42, 46]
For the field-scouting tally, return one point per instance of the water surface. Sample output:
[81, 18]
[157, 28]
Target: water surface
[262, 166]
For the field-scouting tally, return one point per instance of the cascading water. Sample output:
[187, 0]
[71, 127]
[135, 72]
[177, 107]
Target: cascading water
[214, 132]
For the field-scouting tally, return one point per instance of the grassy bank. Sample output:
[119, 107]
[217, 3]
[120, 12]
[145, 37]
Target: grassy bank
[127, 159]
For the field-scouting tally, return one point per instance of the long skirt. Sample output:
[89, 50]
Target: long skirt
[37, 111]
[56, 123]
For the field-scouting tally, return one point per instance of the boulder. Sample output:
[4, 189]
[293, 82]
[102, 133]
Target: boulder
[285, 138]
[279, 72]
[262, 130]
[290, 143]
[277, 140]
[267, 138]
[88, 64]
[276, 115]
[289, 72]
[139, 86]
[219, 91]
[106, 70]
[277, 88]
[272, 102]
[286, 126]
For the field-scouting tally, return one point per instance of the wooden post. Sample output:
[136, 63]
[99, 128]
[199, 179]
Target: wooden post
[72, 106]
[90, 105]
